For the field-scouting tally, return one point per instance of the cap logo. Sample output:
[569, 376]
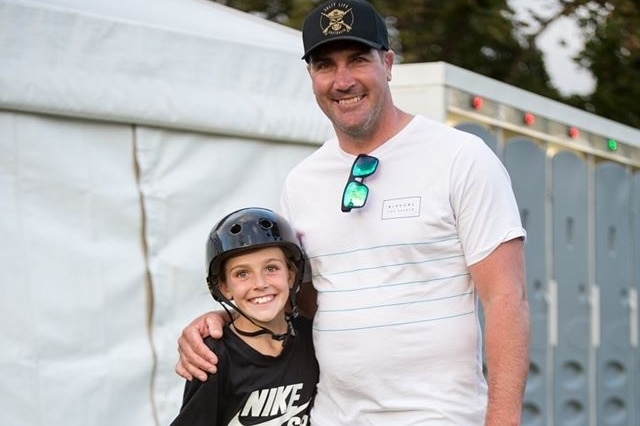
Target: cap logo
[336, 18]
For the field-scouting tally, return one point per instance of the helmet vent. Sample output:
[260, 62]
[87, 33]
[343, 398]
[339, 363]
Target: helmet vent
[266, 224]
[235, 229]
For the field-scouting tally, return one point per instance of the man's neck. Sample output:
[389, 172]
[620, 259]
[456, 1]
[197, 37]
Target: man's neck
[394, 122]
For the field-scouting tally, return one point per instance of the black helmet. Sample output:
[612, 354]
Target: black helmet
[247, 229]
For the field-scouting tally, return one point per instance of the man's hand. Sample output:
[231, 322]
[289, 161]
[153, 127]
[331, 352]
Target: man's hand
[196, 359]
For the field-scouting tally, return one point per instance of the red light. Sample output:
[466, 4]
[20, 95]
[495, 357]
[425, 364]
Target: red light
[574, 133]
[529, 119]
[477, 102]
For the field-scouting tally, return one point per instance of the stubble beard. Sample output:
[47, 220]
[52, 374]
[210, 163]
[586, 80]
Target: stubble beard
[363, 129]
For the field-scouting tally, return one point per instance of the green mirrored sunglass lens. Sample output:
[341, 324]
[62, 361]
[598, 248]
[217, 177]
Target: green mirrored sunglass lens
[355, 195]
[365, 166]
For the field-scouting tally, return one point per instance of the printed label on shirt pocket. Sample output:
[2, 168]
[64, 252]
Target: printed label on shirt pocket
[401, 207]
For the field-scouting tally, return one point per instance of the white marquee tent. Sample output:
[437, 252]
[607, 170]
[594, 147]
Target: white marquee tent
[126, 129]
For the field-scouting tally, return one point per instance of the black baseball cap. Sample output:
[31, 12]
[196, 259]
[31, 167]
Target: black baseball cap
[355, 20]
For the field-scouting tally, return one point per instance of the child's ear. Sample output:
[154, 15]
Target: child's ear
[225, 290]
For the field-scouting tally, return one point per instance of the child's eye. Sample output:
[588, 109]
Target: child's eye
[241, 274]
[273, 268]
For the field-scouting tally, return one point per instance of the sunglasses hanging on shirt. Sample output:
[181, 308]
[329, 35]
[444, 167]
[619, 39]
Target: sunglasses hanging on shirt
[355, 191]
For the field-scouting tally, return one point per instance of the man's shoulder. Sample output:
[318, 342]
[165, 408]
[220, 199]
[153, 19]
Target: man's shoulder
[424, 129]
[424, 123]
[223, 345]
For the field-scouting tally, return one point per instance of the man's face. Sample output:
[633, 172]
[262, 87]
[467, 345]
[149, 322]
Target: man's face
[350, 82]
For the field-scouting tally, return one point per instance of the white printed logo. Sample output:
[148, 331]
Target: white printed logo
[280, 401]
[401, 207]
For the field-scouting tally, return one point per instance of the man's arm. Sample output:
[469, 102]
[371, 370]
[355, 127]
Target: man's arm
[196, 359]
[306, 300]
[501, 284]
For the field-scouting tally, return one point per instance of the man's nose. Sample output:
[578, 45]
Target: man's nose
[343, 78]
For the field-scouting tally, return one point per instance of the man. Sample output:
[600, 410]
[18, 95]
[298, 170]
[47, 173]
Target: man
[425, 226]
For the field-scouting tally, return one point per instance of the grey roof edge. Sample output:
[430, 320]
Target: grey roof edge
[442, 73]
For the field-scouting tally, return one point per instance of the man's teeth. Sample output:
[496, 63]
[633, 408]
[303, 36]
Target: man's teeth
[350, 100]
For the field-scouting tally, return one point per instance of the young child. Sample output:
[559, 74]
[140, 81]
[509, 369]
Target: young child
[267, 370]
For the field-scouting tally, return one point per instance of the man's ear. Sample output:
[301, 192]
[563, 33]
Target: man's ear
[388, 58]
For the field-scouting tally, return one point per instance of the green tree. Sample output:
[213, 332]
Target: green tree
[478, 35]
[286, 12]
[611, 54]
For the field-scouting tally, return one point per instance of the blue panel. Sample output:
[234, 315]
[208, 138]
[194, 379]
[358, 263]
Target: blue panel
[525, 162]
[571, 359]
[614, 357]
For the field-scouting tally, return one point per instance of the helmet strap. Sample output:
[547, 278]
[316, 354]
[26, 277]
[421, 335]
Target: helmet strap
[284, 337]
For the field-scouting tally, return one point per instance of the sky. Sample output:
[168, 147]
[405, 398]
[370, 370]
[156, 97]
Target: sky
[568, 77]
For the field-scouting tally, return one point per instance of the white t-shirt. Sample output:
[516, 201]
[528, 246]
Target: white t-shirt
[396, 333]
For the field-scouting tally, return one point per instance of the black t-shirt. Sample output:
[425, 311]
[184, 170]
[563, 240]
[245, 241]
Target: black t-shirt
[254, 389]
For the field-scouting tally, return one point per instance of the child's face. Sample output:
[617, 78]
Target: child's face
[258, 283]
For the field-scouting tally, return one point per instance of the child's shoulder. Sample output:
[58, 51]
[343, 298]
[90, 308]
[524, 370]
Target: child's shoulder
[221, 345]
